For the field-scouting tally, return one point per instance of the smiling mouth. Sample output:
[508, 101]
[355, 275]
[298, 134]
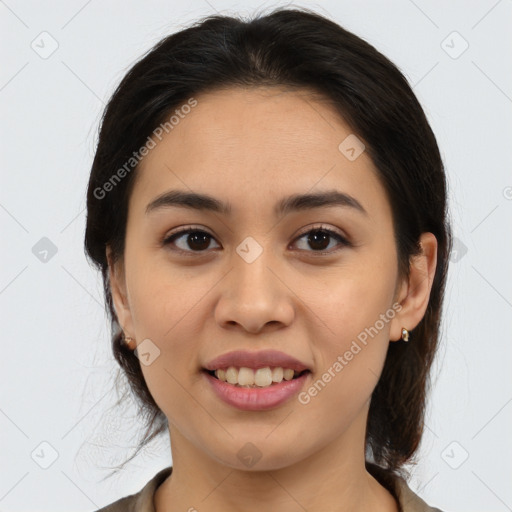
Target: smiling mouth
[258, 379]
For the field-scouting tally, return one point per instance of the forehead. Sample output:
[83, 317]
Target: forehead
[256, 144]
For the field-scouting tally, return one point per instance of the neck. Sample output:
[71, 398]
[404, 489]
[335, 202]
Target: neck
[333, 478]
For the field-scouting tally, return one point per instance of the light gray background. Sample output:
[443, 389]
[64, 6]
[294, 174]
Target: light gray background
[56, 365]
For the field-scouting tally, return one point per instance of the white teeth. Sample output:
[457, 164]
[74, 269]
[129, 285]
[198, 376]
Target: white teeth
[232, 375]
[221, 374]
[288, 374]
[245, 376]
[262, 377]
[277, 374]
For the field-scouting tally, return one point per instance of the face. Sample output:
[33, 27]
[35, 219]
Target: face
[316, 281]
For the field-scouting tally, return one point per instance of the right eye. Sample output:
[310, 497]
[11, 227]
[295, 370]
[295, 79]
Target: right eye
[189, 240]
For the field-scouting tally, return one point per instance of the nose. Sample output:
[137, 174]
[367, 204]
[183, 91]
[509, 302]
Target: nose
[254, 296]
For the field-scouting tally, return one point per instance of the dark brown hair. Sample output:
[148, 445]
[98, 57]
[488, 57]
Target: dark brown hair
[303, 50]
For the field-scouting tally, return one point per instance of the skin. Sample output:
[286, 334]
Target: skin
[251, 148]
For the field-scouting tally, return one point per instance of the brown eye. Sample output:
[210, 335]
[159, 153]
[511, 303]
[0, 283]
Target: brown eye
[320, 239]
[190, 240]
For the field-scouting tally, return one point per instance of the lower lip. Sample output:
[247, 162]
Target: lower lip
[254, 399]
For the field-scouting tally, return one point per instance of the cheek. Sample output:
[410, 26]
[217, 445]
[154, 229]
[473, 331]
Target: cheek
[357, 298]
[350, 360]
[356, 314]
[171, 307]
[162, 299]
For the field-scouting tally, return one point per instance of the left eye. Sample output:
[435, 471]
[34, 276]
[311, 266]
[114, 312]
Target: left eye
[318, 237]
[196, 240]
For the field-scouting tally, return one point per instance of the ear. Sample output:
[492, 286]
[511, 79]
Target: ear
[119, 293]
[414, 291]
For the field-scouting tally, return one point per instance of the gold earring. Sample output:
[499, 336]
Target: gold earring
[405, 334]
[127, 340]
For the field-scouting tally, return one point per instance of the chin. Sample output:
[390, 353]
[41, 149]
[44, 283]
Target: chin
[258, 453]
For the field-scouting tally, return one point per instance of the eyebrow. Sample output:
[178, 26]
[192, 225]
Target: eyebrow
[296, 202]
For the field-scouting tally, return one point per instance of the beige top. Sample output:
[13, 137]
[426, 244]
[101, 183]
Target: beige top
[143, 500]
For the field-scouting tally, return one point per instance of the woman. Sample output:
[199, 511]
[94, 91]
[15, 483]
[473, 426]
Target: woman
[267, 206]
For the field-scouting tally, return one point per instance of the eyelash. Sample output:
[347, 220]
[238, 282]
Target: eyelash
[333, 234]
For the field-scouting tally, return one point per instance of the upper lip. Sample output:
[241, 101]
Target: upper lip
[255, 360]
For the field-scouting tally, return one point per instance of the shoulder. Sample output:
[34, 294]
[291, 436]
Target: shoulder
[141, 501]
[407, 499]
[126, 504]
